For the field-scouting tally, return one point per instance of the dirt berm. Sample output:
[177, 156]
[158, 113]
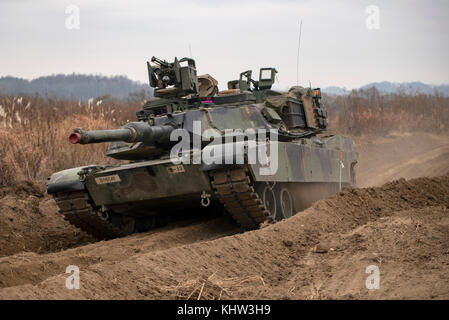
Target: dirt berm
[29, 222]
[323, 252]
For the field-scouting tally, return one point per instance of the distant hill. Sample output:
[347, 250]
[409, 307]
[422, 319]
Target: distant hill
[75, 86]
[393, 87]
[83, 87]
[335, 90]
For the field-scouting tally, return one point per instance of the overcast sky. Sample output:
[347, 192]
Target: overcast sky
[228, 37]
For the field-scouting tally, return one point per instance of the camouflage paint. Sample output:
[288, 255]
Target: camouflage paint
[312, 162]
[153, 183]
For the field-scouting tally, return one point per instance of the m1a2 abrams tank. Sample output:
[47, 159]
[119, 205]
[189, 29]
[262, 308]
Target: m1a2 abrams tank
[272, 161]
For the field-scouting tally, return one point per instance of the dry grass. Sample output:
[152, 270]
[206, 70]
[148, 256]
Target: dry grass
[34, 131]
[34, 134]
[368, 111]
[213, 287]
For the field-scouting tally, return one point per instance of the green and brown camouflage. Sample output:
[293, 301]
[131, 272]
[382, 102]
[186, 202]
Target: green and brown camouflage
[111, 201]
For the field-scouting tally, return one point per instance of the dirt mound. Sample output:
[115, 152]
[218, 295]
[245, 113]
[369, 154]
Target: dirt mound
[22, 189]
[29, 221]
[323, 252]
[32, 268]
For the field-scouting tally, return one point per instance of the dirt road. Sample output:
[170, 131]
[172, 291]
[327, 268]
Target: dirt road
[401, 228]
[400, 155]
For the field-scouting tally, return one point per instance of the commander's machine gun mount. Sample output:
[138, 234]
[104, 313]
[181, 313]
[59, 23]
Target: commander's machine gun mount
[173, 79]
[177, 87]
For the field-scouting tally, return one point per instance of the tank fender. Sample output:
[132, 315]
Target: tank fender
[65, 181]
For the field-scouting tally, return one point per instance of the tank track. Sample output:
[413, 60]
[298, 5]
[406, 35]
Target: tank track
[235, 191]
[233, 188]
[76, 209]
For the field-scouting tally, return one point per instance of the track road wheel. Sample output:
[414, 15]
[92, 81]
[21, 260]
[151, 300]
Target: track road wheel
[145, 224]
[124, 223]
[268, 197]
[286, 207]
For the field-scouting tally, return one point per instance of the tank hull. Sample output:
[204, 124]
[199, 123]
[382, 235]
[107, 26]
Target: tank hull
[306, 171]
[145, 187]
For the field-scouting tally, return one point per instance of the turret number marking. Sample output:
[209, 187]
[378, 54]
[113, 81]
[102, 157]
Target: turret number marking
[108, 179]
[176, 169]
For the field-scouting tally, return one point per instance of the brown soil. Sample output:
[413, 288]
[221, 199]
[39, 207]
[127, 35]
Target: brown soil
[29, 222]
[320, 253]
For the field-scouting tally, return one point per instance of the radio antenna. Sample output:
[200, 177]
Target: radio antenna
[297, 56]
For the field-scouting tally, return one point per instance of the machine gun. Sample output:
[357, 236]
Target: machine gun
[173, 79]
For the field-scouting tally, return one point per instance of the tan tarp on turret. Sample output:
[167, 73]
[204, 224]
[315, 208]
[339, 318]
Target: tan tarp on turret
[300, 93]
[207, 85]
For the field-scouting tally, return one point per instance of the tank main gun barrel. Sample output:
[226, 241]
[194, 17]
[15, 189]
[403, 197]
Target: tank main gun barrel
[131, 132]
